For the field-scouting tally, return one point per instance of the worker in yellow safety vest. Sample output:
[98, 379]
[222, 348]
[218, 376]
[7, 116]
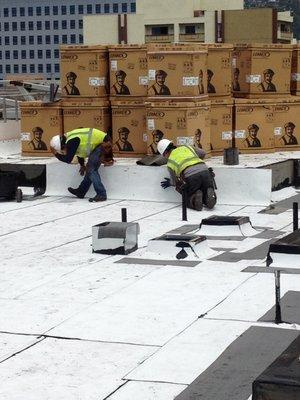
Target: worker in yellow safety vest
[89, 143]
[189, 172]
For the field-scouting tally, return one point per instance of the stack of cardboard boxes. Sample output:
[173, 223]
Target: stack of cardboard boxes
[183, 92]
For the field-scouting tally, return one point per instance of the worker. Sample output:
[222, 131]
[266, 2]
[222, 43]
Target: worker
[189, 172]
[88, 143]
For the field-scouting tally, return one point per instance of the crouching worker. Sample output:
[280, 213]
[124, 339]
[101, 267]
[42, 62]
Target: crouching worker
[89, 143]
[188, 172]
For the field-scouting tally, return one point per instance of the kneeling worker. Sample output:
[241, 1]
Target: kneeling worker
[188, 170]
[88, 143]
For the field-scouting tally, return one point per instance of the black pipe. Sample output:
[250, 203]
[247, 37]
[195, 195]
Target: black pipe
[184, 204]
[278, 319]
[124, 214]
[295, 216]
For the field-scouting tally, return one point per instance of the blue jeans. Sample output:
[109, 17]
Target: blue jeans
[92, 174]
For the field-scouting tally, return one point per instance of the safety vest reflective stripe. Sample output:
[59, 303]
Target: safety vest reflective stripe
[181, 158]
[89, 139]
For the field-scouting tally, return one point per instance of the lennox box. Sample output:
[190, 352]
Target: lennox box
[84, 71]
[221, 125]
[261, 70]
[129, 127]
[83, 112]
[287, 124]
[255, 122]
[185, 123]
[128, 70]
[177, 70]
[39, 122]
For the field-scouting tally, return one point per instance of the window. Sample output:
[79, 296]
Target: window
[6, 26]
[47, 10]
[80, 38]
[47, 25]
[0, 40]
[15, 54]
[63, 24]
[159, 30]
[72, 10]
[7, 55]
[106, 8]
[124, 7]
[5, 12]
[89, 9]
[22, 26]
[0, 55]
[31, 53]
[23, 40]
[16, 69]
[190, 29]
[115, 8]
[1, 69]
[80, 23]
[38, 11]
[23, 54]
[40, 68]
[55, 24]
[14, 26]
[48, 53]
[39, 25]
[48, 39]
[132, 7]
[63, 10]
[80, 9]
[56, 68]
[15, 40]
[31, 39]
[73, 38]
[64, 39]
[39, 39]
[56, 39]
[7, 69]
[56, 53]
[30, 11]
[55, 10]
[48, 68]
[22, 11]
[72, 24]
[14, 12]
[32, 68]
[24, 69]
[6, 40]
[98, 8]
[30, 25]
[40, 53]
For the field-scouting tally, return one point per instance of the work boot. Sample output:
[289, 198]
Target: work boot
[98, 198]
[76, 192]
[198, 200]
[211, 198]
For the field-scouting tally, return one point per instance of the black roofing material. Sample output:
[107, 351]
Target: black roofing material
[225, 220]
[230, 377]
[281, 380]
[290, 309]
[289, 244]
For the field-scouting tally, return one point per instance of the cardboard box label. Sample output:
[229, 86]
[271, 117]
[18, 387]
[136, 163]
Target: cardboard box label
[143, 80]
[278, 131]
[240, 134]
[96, 81]
[151, 74]
[227, 135]
[114, 65]
[25, 136]
[185, 141]
[253, 78]
[151, 124]
[190, 81]
[296, 76]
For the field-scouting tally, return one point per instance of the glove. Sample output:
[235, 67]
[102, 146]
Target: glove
[166, 183]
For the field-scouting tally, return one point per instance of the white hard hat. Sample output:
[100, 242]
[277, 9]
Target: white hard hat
[162, 145]
[55, 143]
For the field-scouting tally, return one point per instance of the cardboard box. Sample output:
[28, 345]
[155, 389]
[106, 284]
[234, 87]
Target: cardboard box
[128, 70]
[129, 127]
[185, 123]
[177, 70]
[295, 75]
[261, 70]
[39, 123]
[84, 71]
[255, 121]
[87, 112]
[287, 124]
[221, 125]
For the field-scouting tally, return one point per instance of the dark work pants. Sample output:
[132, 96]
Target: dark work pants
[200, 181]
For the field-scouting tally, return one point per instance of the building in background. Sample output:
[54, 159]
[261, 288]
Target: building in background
[31, 32]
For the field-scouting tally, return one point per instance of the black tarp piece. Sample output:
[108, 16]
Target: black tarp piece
[281, 380]
[226, 220]
[155, 161]
[289, 244]
[290, 310]
[231, 376]
[29, 175]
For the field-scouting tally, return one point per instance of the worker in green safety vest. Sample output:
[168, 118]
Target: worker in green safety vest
[89, 143]
[189, 172]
